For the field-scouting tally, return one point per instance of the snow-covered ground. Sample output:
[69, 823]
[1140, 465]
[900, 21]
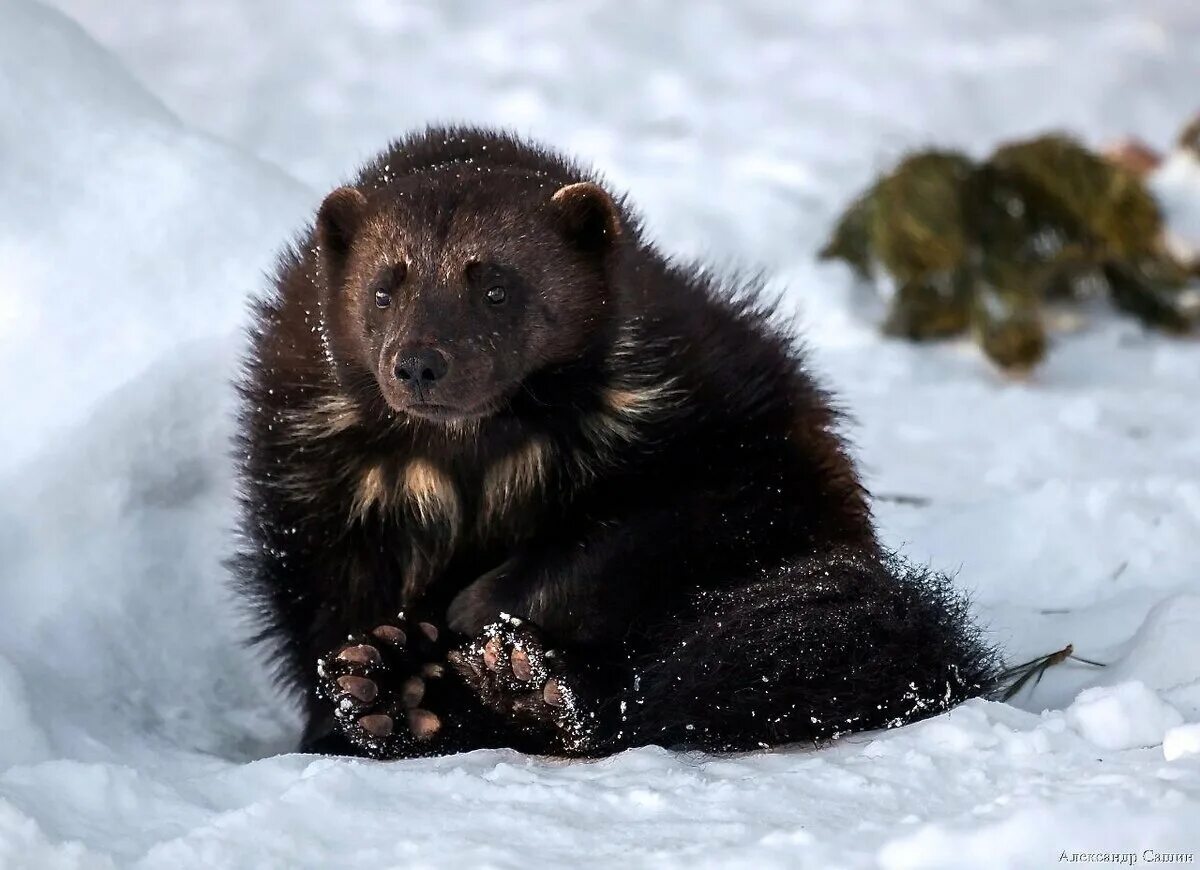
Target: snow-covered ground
[144, 187]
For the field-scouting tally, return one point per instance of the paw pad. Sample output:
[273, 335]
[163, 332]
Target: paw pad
[391, 634]
[377, 684]
[362, 653]
[423, 724]
[412, 691]
[359, 688]
[521, 668]
[377, 724]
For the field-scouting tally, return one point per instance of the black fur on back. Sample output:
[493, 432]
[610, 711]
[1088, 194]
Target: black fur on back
[674, 505]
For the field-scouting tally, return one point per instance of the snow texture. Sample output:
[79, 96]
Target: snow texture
[137, 732]
[1122, 717]
[1181, 741]
[1175, 184]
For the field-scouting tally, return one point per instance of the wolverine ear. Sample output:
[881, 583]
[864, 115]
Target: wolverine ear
[589, 214]
[337, 222]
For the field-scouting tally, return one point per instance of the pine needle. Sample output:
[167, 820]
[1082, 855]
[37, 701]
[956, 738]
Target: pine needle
[1037, 667]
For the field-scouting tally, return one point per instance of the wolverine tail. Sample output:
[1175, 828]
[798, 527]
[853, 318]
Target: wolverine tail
[837, 643]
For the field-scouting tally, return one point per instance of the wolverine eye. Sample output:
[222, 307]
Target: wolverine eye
[382, 299]
[496, 295]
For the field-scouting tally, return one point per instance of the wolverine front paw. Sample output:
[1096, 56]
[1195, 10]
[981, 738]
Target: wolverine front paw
[513, 674]
[382, 685]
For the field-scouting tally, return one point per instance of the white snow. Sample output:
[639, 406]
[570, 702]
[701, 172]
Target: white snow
[1181, 741]
[1126, 716]
[136, 732]
[1174, 183]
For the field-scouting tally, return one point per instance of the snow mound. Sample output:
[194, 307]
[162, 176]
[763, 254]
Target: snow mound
[1181, 741]
[118, 227]
[1176, 184]
[1126, 716]
[129, 246]
[1164, 652]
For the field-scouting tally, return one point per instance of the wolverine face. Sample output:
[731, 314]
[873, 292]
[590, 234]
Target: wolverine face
[451, 293]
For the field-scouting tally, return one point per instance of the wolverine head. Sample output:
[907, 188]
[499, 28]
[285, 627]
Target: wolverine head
[452, 288]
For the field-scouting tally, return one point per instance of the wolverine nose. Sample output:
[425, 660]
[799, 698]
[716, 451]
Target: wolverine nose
[421, 367]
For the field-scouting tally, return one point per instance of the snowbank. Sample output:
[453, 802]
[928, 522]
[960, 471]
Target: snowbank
[128, 245]
[1181, 741]
[1127, 716]
[123, 235]
[1175, 185]
[138, 733]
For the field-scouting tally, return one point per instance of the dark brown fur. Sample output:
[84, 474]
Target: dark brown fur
[623, 453]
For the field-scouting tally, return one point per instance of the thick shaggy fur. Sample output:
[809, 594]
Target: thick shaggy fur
[661, 493]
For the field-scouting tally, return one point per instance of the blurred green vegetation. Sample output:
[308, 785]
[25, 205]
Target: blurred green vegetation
[981, 248]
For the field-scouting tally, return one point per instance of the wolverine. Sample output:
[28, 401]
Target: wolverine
[511, 477]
